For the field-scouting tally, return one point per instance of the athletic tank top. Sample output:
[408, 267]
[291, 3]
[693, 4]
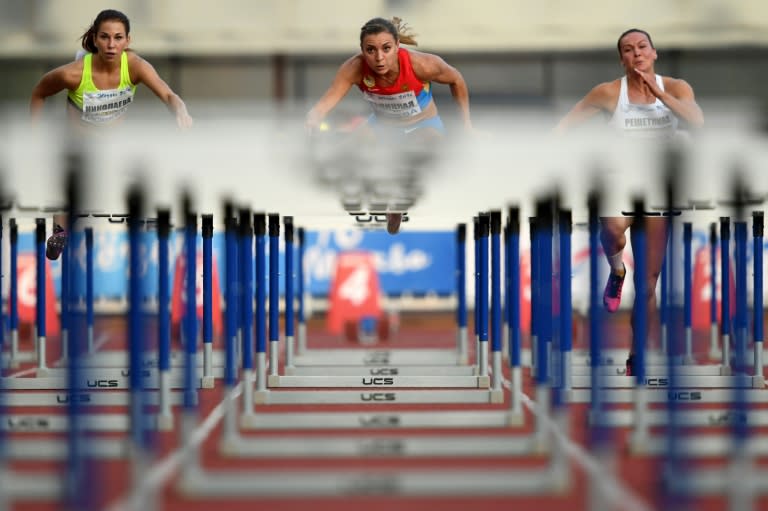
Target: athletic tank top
[654, 120]
[102, 106]
[407, 97]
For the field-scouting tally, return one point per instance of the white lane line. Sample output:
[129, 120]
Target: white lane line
[614, 490]
[164, 469]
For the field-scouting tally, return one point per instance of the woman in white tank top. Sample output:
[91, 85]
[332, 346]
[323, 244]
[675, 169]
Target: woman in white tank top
[645, 105]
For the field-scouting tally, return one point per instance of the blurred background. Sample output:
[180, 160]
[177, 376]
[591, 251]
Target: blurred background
[251, 62]
[545, 53]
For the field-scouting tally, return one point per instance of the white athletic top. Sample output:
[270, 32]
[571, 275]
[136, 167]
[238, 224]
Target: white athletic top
[652, 120]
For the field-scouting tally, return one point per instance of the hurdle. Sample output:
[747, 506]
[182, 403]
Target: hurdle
[554, 477]
[15, 357]
[393, 380]
[107, 370]
[713, 375]
[389, 383]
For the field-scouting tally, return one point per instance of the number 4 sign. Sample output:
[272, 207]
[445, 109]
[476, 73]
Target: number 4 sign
[354, 290]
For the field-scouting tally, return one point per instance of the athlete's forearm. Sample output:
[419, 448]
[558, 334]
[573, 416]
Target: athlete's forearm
[36, 106]
[689, 111]
[460, 95]
[179, 109]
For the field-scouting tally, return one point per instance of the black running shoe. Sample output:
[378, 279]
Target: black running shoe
[393, 222]
[630, 365]
[56, 242]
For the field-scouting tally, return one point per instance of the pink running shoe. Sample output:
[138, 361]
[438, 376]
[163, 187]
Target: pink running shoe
[612, 293]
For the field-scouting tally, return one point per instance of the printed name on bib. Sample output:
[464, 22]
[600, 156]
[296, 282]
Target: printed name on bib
[106, 105]
[404, 104]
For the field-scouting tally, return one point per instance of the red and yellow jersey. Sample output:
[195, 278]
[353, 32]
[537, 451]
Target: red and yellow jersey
[405, 98]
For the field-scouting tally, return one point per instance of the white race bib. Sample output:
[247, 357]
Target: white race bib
[398, 106]
[106, 105]
[648, 121]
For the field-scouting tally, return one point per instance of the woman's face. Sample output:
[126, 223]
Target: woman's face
[636, 52]
[380, 52]
[111, 39]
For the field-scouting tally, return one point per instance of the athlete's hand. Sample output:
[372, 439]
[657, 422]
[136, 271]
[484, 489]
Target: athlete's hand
[184, 120]
[650, 81]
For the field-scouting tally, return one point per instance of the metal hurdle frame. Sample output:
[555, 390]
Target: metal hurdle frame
[197, 481]
[422, 362]
[391, 381]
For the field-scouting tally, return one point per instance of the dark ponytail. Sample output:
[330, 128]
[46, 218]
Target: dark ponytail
[107, 15]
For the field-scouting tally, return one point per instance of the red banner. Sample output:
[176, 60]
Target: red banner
[701, 291]
[179, 296]
[27, 288]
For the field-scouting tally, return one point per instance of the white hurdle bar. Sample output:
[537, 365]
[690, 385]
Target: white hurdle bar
[379, 382]
[662, 395]
[377, 395]
[682, 382]
[84, 398]
[109, 382]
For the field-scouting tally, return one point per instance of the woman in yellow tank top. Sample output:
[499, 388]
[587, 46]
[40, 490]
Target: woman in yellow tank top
[101, 87]
[101, 84]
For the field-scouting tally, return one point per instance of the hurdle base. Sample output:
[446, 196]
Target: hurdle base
[42, 372]
[541, 447]
[758, 382]
[496, 396]
[207, 382]
[638, 444]
[689, 360]
[716, 355]
[726, 371]
[165, 422]
[515, 419]
[260, 397]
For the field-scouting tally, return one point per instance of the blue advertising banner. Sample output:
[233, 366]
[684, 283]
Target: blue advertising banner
[411, 262]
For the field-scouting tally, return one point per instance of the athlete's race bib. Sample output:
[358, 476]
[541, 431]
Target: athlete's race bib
[649, 121]
[106, 105]
[398, 106]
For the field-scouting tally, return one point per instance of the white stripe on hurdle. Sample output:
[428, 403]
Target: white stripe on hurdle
[664, 395]
[84, 398]
[738, 381]
[375, 397]
[426, 370]
[361, 357]
[85, 383]
[47, 449]
[38, 423]
[352, 420]
[684, 418]
[703, 446]
[379, 382]
[389, 446]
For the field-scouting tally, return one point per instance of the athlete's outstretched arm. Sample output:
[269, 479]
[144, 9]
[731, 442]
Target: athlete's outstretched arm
[53, 82]
[144, 72]
[429, 67]
[597, 100]
[347, 75]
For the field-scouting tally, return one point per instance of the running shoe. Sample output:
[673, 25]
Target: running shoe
[56, 242]
[630, 365]
[612, 293]
[393, 222]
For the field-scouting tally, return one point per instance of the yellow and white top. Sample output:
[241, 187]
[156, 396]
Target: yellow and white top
[102, 106]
